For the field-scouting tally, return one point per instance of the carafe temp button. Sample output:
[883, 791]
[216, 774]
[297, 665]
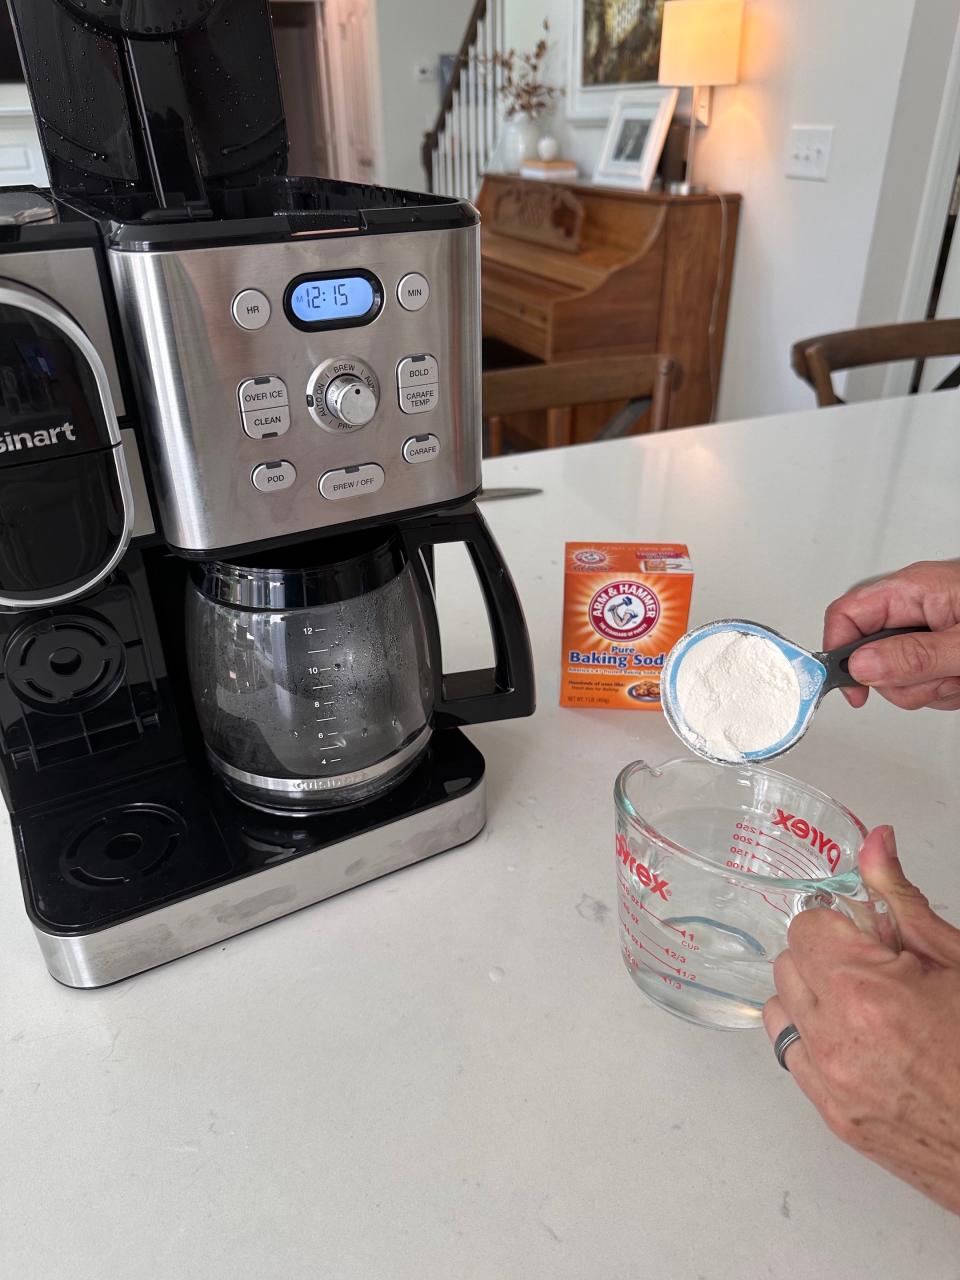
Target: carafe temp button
[270, 476]
[421, 449]
[351, 482]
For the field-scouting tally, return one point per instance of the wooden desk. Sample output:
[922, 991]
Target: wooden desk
[632, 273]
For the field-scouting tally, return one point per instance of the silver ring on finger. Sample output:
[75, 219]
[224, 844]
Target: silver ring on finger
[784, 1040]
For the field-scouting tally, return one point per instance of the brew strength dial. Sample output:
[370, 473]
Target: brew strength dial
[351, 400]
[343, 395]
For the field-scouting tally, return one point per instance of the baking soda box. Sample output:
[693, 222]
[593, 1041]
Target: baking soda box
[625, 605]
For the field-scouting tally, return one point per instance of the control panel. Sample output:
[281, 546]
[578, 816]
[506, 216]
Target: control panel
[343, 373]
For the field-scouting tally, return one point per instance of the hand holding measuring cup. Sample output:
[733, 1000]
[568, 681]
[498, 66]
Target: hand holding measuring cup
[879, 1049]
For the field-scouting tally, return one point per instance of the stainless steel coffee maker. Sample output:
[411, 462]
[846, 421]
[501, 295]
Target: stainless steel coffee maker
[238, 411]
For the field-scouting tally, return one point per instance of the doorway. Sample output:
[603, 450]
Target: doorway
[300, 40]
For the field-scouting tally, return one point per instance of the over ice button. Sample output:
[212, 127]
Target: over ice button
[262, 393]
[351, 482]
[270, 476]
[421, 449]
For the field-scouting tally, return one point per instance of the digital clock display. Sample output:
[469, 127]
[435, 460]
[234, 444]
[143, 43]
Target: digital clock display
[333, 301]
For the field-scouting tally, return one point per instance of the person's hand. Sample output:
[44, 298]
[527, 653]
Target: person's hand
[879, 1054]
[910, 671]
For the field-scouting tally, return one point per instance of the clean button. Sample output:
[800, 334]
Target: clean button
[251, 309]
[273, 475]
[421, 449]
[413, 291]
[351, 482]
[261, 424]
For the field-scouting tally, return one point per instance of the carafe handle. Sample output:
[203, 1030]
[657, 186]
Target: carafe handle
[507, 689]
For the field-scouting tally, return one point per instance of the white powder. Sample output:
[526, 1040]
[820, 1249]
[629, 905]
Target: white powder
[737, 692]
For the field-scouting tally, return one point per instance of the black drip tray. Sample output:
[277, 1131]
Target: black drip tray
[148, 842]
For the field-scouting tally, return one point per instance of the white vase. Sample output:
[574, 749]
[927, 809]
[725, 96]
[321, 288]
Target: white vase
[548, 148]
[520, 136]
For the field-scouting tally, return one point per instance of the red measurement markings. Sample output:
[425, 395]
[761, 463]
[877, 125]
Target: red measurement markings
[628, 887]
[801, 854]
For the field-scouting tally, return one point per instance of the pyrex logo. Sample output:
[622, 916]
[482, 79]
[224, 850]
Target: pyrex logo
[649, 879]
[11, 441]
[803, 830]
[624, 611]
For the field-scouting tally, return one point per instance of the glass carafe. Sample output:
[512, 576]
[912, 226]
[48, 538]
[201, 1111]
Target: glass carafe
[314, 684]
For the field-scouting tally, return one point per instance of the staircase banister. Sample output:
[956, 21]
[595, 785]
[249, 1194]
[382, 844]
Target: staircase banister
[432, 136]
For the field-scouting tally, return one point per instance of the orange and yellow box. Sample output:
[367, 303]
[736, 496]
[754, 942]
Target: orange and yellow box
[625, 605]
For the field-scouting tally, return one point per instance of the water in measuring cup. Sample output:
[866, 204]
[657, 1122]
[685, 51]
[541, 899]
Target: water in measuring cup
[697, 943]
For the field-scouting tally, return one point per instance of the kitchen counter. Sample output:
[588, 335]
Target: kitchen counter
[447, 1074]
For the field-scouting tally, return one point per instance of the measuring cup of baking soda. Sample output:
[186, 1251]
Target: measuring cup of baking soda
[712, 865]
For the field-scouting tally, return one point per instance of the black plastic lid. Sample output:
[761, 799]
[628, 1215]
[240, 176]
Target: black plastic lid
[313, 573]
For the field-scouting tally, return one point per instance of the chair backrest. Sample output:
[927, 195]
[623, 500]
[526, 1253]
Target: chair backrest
[567, 383]
[816, 359]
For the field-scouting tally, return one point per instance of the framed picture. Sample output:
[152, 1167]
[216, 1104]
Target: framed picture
[614, 46]
[635, 137]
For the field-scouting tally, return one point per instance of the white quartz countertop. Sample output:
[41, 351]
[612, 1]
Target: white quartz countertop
[447, 1074]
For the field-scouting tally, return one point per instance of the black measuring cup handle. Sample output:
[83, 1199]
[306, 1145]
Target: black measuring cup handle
[836, 660]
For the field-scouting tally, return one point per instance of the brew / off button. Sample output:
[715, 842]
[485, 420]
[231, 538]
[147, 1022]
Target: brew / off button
[421, 449]
[351, 482]
[270, 476]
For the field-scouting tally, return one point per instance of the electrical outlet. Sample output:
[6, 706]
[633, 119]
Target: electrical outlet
[809, 154]
[424, 72]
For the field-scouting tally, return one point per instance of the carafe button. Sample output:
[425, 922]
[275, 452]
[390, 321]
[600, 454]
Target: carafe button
[270, 476]
[421, 449]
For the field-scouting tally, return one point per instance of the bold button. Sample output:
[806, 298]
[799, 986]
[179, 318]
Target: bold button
[421, 449]
[350, 482]
[419, 399]
[263, 423]
[251, 309]
[413, 291]
[270, 476]
[262, 393]
[414, 371]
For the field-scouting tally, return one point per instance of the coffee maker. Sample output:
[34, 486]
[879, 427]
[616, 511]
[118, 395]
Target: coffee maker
[238, 410]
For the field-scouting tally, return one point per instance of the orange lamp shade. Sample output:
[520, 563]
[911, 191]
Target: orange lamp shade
[700, 42]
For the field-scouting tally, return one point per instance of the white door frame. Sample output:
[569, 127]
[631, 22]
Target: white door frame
[321, 36]
[341, 90]
[931, 220]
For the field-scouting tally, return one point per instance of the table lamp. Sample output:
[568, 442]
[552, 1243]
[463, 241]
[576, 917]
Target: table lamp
[699, 48]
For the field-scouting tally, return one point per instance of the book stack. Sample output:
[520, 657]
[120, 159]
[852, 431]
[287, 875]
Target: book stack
[549, 170]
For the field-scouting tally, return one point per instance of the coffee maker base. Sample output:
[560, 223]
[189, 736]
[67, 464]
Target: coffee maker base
[252, 868]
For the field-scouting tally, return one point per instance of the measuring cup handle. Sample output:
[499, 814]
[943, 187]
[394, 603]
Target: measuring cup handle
[507, 689]
[836, 660]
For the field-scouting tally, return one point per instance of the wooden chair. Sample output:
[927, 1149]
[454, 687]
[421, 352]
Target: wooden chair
[815, 359]
[645, 382]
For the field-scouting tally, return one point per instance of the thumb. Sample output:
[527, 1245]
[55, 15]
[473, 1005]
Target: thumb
[907, 660]
[922, 930]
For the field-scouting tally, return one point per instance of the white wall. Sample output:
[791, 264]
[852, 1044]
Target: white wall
[804, 248]
[410, 32]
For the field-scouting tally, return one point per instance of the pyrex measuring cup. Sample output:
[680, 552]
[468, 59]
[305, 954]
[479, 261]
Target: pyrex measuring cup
[712, 865]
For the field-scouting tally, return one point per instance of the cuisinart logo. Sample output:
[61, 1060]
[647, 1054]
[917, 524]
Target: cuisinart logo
[10, 442]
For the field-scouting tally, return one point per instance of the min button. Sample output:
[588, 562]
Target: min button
[413, 291]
